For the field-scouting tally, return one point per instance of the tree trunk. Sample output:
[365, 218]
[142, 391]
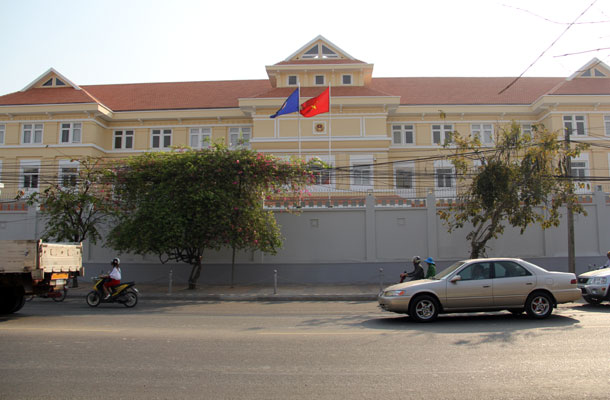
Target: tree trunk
[195, 273]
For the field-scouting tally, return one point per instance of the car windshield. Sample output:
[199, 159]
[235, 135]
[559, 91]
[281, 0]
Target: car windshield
[449, 270]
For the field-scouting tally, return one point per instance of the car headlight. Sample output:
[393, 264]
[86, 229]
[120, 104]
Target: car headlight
[395, 293]
[599, 280]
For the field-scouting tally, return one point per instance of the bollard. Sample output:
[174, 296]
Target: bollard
[380, 279]
[171, 277]
[275, 281]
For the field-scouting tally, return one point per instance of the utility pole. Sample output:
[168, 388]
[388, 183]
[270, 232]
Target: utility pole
[569, 205]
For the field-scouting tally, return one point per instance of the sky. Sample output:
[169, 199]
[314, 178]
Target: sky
[132, 41]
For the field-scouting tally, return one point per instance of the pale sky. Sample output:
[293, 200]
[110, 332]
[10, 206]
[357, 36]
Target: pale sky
[132, 41]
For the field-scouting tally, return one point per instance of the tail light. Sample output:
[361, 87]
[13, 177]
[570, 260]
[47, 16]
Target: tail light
[573, 281]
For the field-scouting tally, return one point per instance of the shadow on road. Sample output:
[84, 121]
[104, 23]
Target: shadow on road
[600, 308]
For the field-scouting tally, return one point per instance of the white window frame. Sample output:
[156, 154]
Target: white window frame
[32, 133]
[607, 124]
[444, 133]
[409, 169]
[349, 77]
[444, 179]
[362, 172]
[239, 137]
[68, 169]
[315, 80]
[29, 175]
[123, 135]
[401, 134]
[526, 129]
[296, 78]
[329, 175]
[74, 131]
[201, 136]
[573, 122]
[163, 137]
[485, 133]
[581, 165]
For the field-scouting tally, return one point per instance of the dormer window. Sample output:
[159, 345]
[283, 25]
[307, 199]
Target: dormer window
[293, 80]
[54, 82]
[593, 73]
[319, 51]
[319, 80]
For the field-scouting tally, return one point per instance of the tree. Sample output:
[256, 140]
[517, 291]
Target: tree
[519, 181]
[75, 205]
[179, 204]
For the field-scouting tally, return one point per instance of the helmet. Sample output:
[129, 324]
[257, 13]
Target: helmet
[429, 260]
[115, 261]
[416, 259]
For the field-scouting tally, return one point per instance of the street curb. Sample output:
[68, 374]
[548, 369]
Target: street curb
[260, 298]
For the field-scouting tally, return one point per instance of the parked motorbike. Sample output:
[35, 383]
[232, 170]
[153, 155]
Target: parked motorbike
[56, 295]
[124, 293]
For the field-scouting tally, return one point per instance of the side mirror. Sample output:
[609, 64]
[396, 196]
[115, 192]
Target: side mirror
[456, 278]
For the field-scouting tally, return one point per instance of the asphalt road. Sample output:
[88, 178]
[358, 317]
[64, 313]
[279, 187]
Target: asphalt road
[298, 350]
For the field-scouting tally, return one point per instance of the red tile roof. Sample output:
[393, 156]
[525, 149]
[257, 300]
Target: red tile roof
[226, 94]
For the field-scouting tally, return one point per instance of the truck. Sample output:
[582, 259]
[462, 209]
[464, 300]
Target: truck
[595, 285]
[33, 267]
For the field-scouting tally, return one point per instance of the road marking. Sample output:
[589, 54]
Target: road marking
[7, 328]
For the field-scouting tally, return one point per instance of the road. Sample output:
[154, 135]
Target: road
[298, 350]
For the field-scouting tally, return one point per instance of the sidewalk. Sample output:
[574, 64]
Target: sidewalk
[366, 292]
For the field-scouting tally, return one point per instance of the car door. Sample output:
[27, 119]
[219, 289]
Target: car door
[474, 288]
[512, 284]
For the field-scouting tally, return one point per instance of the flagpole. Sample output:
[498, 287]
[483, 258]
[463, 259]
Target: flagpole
[330, 133]
[299, 120]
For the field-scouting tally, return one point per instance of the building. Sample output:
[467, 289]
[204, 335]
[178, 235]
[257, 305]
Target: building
[383, 135]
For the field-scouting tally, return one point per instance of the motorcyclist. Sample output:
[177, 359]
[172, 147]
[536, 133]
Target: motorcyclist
[431, 267]
[607, 264]
[113, 279]
[418, 271]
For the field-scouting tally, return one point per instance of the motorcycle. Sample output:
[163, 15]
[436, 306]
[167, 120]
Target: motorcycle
[56, 295]
[124, 293]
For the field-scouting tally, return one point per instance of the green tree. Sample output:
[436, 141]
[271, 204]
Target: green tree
[519, 181]
[179, 204]
[76, 204]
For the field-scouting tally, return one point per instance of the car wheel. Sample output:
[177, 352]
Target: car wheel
[592, 300]
[539, 305]
[424, 308]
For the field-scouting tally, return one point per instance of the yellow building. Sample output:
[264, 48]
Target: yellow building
[382, 134]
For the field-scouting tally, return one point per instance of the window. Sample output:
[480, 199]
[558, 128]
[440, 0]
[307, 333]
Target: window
[403, 134]
[2, 133]
[311, 53]
[32, 134]
[579, 173]
[484, 132]
[346, 79]
[574, 124]
[123, 139]
[161, 138]
[526, 129]
[444, 179]
[507, 269]
[475, 272]
[200, 137]
[30, 175]
[293, 80]
[315, 52]
[404, 178]
[68, 173]
[441, 134]
[319, 80]
[361, 175]
[607, 124]
[322, 176]
[58, 82]
[71, 132]
[240, 137]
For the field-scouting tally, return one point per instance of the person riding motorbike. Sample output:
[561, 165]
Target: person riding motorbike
[418, 271]
[113, 279]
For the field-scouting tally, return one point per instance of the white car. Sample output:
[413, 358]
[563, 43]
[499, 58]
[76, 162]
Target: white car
[594, 285]
[486, 284]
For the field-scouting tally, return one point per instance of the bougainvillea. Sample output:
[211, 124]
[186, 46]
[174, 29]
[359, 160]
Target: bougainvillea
[179, 204]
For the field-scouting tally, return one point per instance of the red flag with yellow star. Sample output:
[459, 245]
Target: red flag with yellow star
[316, 105]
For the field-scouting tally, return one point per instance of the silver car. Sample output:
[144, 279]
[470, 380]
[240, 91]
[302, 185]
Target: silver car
[486, 284]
